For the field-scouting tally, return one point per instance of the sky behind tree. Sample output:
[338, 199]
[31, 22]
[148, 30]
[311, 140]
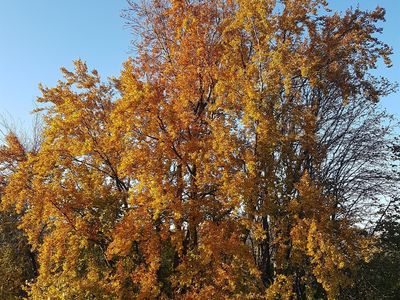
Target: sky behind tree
[39, 37]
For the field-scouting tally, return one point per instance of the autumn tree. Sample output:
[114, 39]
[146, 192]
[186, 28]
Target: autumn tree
[18, 262]
[239, 156]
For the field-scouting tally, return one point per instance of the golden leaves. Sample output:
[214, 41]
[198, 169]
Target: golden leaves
[282, 288]
[195, 173]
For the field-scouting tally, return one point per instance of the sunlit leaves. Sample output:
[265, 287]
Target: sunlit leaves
[199, 171]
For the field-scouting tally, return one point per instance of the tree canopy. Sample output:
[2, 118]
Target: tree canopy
[241, 154]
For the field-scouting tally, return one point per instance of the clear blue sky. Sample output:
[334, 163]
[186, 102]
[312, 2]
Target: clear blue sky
[37, 37]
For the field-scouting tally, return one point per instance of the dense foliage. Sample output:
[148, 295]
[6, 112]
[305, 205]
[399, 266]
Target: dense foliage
[241, 155]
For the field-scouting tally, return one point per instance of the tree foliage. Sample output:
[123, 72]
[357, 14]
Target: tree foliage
[18, 262]
[239, 156]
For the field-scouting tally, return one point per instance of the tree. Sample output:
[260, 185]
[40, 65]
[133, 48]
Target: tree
[236, 157]
[379, 277]
[17, 261]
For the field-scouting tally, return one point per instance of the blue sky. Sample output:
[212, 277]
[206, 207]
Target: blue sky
[38, 37]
